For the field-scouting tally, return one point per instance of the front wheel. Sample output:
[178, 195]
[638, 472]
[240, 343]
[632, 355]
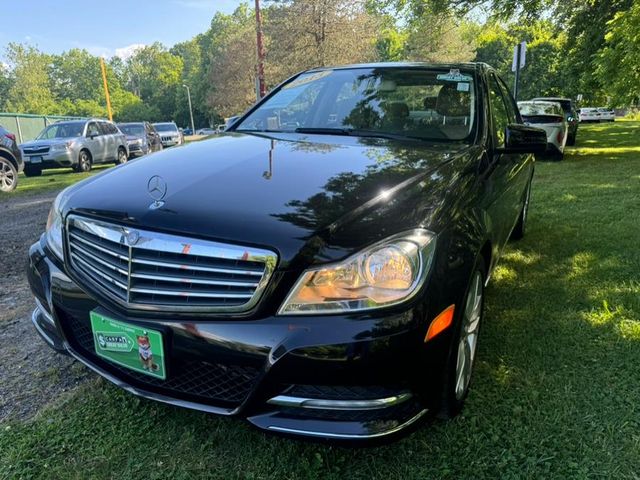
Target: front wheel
[8, 176]
[32, 171]
[463, 351]
[122, 156]
[84, 162]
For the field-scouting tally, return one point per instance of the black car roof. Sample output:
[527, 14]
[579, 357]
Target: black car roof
[461, 65]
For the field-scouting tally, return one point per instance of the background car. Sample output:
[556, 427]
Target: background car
[11, 163]
[142, 138]
[78, 144]
[589, 114]
[206, 131]
[187, 131]
[570, 115]
[607, 115]
[170, 135]
[550, 117]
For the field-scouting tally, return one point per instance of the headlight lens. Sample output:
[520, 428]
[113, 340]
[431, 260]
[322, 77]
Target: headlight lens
[385, 274]
[53, 234]
[61, 146]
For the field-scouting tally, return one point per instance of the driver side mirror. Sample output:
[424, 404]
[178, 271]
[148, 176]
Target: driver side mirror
[524, 139]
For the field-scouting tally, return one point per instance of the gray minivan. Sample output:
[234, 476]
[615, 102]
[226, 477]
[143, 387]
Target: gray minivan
[78, 144]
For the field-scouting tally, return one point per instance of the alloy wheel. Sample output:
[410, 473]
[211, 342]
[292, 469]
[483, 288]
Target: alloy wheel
[7, 176]
[469, 336]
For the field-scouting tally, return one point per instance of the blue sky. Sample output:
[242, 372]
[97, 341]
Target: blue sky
[105, 26]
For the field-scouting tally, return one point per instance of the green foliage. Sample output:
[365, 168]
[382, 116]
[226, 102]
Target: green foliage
[619, 61]
[30, 90]
[574, 47]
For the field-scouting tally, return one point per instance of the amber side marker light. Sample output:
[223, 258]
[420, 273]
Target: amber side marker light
[440, 323]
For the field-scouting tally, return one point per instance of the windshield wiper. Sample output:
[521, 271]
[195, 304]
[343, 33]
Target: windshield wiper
[355, 132]
[323, 130]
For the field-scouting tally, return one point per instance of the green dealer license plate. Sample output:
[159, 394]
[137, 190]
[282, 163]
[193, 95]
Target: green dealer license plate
[140, 349]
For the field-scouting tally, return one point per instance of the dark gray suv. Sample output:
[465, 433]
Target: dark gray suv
[11, 163]
[78, 144]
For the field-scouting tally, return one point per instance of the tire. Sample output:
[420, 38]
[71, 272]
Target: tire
[462, 353]
[520, 229]
[32, 171]
[121, 156]
[84, 162]
[571, 140]
[8, 175]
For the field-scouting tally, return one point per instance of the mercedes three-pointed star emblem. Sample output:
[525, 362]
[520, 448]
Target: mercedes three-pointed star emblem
[157, 189]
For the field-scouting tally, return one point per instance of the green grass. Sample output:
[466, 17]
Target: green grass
[52, 180]
[556, 390]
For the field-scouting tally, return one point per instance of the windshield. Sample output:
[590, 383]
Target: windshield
[137, 130]
[165, 127]
[62, 130]
[418, 103]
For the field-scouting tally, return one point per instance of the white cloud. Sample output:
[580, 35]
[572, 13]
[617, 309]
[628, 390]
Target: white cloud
[128, 51]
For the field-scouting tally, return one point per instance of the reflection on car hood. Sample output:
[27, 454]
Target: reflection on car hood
[277, 191]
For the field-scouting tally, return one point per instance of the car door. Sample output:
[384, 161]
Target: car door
[95, 142]
[504, 168]
[110, 140]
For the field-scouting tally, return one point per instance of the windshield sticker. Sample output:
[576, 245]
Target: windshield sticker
[303, 80]
[463, 87]
[454, 75]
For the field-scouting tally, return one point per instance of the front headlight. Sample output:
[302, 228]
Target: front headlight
[61, 146]
[53, 234]
[387, 273]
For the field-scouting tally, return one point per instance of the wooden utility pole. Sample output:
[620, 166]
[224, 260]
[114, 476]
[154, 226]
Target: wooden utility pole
[262, 89]
[106, 88]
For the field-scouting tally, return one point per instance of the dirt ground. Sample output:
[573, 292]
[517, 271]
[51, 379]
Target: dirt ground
[31, 374]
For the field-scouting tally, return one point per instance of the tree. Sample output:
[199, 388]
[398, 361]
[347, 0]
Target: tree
[30, 90]
[618, 63]
[314, 33]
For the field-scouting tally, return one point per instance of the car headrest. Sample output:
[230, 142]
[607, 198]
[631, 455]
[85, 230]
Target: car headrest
[395, 110]
[451, 102]
[429, 103]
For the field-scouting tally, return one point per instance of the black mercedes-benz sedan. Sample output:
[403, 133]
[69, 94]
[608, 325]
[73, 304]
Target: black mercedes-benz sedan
[318, 268]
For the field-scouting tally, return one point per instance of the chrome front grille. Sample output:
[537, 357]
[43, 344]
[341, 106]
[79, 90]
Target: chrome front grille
[156, 271]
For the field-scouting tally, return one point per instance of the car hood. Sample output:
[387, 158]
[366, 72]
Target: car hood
[133, 138]
[280, 192]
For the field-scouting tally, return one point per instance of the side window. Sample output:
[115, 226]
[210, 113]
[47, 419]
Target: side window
[104, 128]
[93, 130]
[498, 111]
[509, 102]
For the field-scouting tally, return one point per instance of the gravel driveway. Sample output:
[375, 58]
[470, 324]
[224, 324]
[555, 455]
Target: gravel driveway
[31, 374]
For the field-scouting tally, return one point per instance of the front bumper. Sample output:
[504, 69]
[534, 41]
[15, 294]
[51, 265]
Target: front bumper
[52, 159]
[352, 378]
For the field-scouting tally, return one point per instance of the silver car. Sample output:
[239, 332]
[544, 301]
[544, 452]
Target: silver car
[169, 134]
[78, 144]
